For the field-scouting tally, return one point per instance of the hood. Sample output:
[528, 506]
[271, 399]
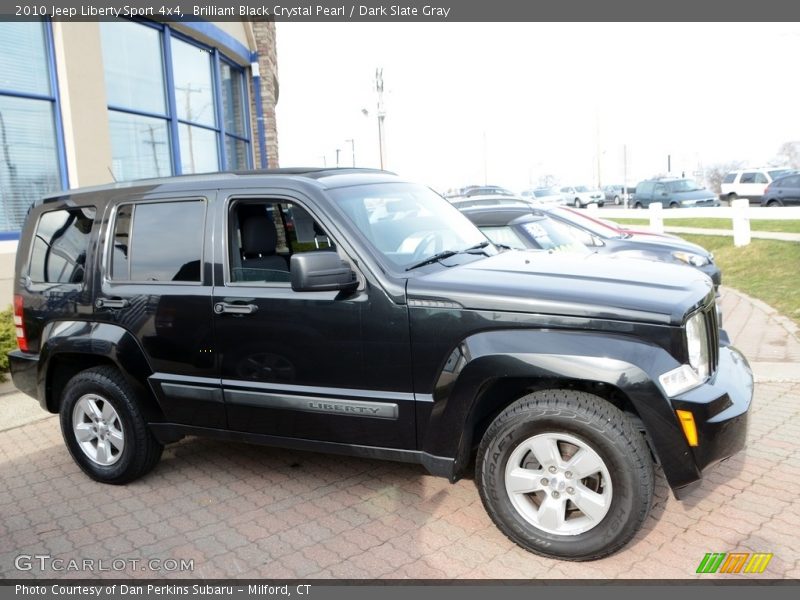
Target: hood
[561, 283]
[661, 243]
[702, 194]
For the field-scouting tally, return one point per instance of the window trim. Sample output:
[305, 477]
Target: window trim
[110, 229]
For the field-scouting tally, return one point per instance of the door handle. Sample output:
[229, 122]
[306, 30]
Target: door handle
[234, 309]
[111, 303]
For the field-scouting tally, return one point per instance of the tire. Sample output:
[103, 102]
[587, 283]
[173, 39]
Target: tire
[124, 448]
[731, 197]
[624, 479]
[638, 206]
[577, 203]
[774, 203]
[617, 200]
[673, 205]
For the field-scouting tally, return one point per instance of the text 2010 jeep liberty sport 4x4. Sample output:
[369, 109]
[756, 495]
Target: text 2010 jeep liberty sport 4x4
[349, 311]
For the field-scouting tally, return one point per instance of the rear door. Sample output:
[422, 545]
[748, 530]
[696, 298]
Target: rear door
[324, 366]
[789, 192]
[156, 284]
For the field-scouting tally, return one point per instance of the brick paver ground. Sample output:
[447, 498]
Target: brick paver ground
[249, 511]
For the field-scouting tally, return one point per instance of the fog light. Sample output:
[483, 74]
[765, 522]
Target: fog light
[679, 380]
[689, 428]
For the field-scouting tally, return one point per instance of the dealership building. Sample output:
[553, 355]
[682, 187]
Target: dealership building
[88, 103]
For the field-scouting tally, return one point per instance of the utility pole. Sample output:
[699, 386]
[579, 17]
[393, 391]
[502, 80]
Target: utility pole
[485, 160]
[381, 114]
[625, 173]
[597, 134]
[352, 143]
[337, 157]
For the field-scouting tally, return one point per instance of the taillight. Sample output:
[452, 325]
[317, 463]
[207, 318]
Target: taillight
[766, 190]
[19, 323]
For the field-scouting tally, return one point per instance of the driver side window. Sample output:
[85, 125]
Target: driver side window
[262, 237]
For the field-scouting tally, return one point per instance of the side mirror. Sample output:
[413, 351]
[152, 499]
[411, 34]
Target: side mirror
[597, 242]
[321, 272]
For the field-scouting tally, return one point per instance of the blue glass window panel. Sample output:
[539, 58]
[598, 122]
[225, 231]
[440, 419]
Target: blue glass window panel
[133, 65]
[139, 146]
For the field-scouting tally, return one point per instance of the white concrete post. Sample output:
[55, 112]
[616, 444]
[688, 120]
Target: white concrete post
[741, 222]
[656, 217]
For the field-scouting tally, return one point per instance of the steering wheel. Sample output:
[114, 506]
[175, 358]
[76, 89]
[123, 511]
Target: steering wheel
[429, 245]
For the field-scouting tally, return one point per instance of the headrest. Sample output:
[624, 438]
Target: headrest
[259, 235]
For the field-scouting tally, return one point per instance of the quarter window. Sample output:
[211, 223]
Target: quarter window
[144, 232]
[61, 245]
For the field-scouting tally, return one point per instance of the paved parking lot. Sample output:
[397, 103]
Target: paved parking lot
[248, 511]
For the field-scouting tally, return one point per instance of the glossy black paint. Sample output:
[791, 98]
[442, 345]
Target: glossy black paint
[441, 348]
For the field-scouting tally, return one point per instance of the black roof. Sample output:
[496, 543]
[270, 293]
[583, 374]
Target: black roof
[323, 177]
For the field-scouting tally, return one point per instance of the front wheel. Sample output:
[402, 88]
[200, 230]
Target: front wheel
[565, 474]
[104, 428]
[617, 200]
[577, 203]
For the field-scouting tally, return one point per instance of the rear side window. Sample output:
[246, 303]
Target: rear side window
[760, 178]
[748, 178]
[158, 242]
[644, 188]
[729, 178]
[60, 246]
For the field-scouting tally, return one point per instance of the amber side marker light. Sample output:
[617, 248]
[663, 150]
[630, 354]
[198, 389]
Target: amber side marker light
[689, 428]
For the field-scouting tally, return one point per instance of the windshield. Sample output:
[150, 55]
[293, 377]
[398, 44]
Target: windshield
[581, 188]
[683, 185]
[552, 235]
[545, 192]
[407, 223]
[592, 225]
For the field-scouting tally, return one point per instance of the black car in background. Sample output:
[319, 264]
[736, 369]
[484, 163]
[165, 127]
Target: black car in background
[784, 191]
[525, 227]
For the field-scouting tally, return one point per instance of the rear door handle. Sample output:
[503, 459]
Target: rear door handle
[234, 309]
[111, 303]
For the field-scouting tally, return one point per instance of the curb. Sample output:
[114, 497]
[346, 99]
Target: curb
[784, 322]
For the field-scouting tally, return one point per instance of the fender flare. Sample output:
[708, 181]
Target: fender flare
[626, 364]
[110, 343]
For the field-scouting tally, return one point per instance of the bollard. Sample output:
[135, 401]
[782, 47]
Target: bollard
[656, 217]
[741, 222]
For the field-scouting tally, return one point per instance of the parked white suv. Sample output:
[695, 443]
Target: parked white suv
[750, 183]
[580, 196]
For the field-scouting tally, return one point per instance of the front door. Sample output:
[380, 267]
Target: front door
[327, 366]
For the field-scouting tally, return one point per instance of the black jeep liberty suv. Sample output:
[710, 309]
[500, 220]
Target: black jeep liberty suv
[352, 312]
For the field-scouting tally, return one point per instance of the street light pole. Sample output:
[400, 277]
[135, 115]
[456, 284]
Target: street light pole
[381, 114]
[352, 143]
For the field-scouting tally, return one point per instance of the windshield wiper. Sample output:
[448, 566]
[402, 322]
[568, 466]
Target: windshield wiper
[446, 254]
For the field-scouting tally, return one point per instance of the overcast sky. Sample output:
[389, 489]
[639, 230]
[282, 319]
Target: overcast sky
[547, 98]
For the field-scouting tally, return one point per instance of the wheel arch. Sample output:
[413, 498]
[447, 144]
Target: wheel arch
[69, 347]
[495, 373]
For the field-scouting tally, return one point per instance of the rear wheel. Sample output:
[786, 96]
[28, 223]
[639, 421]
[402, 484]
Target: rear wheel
[617, 200]
[774, 203]
[638, 205]
[731, 197]
[104, 429]
[673, 205]
[565, 474]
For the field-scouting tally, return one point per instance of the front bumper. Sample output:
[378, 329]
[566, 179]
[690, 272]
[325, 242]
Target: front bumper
[720, 408]
[24, 368]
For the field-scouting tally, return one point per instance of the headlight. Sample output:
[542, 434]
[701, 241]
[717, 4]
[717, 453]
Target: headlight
[696, 260]
[697, 344]
[696, 372]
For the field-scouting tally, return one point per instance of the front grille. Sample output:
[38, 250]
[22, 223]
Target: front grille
[712, 331]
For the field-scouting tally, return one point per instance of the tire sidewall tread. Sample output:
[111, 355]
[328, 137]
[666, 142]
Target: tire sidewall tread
[599, 424]
[141, 452]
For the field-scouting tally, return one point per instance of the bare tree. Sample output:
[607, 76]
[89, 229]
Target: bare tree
[788, 155]
[715, 173]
